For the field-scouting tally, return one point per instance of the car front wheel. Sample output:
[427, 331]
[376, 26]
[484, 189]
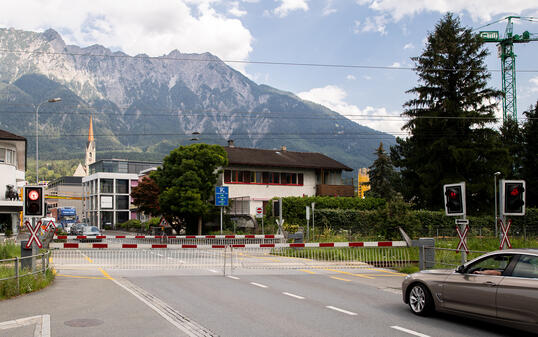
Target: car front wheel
[420, 300]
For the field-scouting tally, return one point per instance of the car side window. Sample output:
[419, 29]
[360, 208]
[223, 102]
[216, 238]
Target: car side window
[526, 266]
[492, 265]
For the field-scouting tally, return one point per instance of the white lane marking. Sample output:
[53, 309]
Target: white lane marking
[293, 295]
[233, 277]
[409, 331]
[42, 324]
[213, 271]
[258, 285]
[341, 310]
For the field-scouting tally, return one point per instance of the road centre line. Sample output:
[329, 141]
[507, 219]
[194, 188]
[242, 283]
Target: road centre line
[293, 295]
[348, 273]
[213, 271]
[340, 279]
[409, 331]
[259, 285]
[341, 310]
[85, 277]
[233, 277]
[307, 271]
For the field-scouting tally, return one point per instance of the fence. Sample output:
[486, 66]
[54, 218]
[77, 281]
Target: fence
[233, 257]
[18, 267]
[446, 258]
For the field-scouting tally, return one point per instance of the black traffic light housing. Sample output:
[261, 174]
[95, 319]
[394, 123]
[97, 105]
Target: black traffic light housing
[454, 196]
[34, 201]
[513, 197]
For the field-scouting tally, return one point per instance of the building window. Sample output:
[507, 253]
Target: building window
[107, 185]
[260, 177]
[122, 202]
[122, 186]
[7, 156]
[107, 202]
[121, 217]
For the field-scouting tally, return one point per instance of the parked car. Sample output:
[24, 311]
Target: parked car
[78, 228]
[500, 286]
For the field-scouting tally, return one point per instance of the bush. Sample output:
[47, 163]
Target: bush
[131, 225]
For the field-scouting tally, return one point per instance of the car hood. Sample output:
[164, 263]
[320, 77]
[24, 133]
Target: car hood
[437, 271]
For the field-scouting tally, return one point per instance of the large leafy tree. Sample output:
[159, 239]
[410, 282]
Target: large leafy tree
[449, 141]
[382, 176]
[146, 196]
[186, 181]
[530, 155]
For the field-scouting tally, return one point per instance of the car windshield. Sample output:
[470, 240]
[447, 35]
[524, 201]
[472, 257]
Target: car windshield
[92, 229]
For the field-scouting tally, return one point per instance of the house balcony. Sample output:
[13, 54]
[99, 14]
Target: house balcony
[335, 190]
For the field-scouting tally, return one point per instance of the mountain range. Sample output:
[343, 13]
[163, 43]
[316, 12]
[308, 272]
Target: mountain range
[142, 107]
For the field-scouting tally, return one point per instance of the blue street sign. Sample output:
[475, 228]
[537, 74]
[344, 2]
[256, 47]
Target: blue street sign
[221, 196]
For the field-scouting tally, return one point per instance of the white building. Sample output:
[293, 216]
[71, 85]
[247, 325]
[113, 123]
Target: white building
[255, 176]
[12, 176]
[106, 192]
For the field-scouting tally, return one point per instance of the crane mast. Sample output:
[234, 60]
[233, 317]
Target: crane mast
[508, 62]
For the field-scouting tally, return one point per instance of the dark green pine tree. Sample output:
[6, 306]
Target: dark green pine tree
[382, 176]
[529, 158]
[449, 141]
[512, 138]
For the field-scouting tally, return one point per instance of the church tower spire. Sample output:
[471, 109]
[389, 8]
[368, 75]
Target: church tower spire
[90, 148]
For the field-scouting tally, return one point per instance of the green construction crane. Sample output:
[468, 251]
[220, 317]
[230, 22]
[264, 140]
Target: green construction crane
[508, 61]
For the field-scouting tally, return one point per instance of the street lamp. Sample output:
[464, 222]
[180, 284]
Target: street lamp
[495, 175]
[52, 100]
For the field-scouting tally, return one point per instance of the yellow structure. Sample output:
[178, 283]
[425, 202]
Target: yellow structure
[363, 182]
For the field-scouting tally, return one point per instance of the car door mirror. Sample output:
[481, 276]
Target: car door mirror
[460, 269]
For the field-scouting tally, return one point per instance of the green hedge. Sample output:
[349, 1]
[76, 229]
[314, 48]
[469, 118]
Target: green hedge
[376, 218]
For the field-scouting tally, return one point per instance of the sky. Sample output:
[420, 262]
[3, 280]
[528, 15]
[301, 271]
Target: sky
[326, 51]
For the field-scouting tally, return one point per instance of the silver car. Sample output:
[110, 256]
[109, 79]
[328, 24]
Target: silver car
[500, 286]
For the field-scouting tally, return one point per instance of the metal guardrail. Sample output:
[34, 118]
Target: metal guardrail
[24, 266]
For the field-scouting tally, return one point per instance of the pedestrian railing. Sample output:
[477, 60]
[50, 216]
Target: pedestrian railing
[232, 256]
[19, 267]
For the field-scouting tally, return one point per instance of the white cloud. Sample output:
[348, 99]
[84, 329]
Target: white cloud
[409, 46]
[235, 10]
[396, 65]
[367, 77]
[328, 9]
[288, 6]
[135, 26]
[333, 97]
[479, 10]
[351, 77]
[534, 84]
[372, 24]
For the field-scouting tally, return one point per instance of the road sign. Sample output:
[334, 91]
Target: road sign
[51, 226]
[462, 221]
[504, 230]
[259, 212]
[462, 237]
[163, 223]
[33, 235]
[221, 196]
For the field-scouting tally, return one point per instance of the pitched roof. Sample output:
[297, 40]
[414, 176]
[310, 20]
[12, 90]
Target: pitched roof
[10, 136]
[282, 158]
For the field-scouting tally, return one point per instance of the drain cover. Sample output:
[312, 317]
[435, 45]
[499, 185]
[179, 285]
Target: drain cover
[83, 322]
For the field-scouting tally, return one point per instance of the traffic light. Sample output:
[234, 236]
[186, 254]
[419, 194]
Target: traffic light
[513, 197]
[34, 201]
[454, 199]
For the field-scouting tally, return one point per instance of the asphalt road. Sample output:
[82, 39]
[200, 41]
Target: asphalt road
[89, 301]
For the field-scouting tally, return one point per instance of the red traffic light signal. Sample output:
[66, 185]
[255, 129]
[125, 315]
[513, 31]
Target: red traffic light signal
[513, 197]
[34, 201]
[454, 199]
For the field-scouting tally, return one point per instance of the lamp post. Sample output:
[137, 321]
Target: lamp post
[52, 100]
[495, 175]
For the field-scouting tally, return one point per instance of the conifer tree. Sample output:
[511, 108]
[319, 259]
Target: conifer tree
[529, 158]
[382, 176]
[449, 141]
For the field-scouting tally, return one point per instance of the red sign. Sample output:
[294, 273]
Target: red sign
[33, 235]
[259, 210]
[463, 244]
[164, 223]
[51, 226]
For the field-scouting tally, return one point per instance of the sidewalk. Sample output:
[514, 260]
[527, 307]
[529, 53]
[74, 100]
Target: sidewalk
[84, 303]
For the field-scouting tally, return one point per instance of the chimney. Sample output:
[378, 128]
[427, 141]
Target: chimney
[283, 148]
[231, 143]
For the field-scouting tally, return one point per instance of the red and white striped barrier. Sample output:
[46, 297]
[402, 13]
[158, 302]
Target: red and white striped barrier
[97, 245]
[82, 237]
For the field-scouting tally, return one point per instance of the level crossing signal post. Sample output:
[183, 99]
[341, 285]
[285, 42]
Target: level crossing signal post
[455, 205]
[512, 204]
[33, 208]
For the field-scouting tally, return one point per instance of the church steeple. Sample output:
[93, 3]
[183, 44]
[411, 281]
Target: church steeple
[90, 148]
